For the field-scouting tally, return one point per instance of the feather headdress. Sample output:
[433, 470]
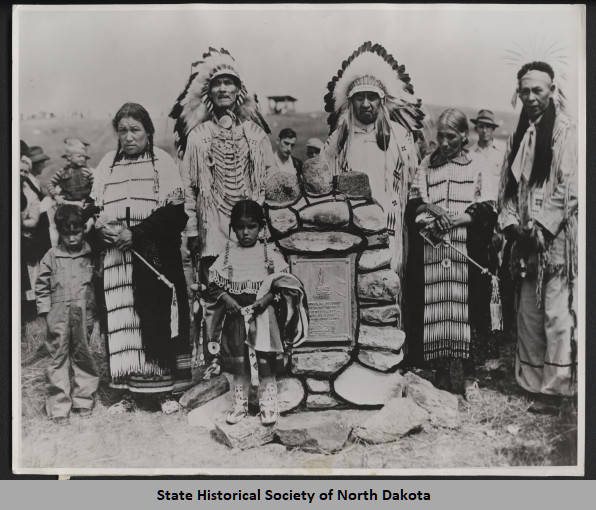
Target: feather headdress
[371, 67]
[541, 51]
[194, 105]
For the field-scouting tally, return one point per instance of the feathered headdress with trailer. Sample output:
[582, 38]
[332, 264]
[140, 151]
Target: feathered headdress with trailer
[371, 67]
[194, 105]
[536, 50]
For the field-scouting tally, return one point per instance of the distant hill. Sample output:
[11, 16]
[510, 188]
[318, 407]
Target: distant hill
[50, 133]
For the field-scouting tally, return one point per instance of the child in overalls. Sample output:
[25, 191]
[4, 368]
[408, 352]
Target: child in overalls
[65, 297]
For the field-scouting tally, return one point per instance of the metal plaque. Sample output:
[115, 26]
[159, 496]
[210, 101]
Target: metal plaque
[329, 284]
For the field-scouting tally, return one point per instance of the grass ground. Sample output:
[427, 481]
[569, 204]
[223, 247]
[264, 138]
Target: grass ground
[498, 431]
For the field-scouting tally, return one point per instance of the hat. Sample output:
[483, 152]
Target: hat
[24, 149]
[486, 117]
[37, 155]
[75, 146]
[314, 142]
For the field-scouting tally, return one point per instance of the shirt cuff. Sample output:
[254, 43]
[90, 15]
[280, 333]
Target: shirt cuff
[43, 308]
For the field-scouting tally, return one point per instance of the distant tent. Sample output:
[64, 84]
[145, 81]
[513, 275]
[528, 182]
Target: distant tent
[279, 105]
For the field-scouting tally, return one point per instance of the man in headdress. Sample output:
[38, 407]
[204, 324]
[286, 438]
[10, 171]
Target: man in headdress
[372, 116]
[224, 149]
[538, 200]
[225, 155]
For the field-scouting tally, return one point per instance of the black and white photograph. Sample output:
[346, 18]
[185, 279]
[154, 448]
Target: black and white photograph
[299, 239]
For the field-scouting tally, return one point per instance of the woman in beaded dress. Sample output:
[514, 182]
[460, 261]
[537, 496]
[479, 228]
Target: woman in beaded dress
[448, 303]
[139, 191]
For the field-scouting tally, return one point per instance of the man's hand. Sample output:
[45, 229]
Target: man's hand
[260, 305]
[194, 247]
[232, 305]
[513, 232]
[443, 221]
[124, 240]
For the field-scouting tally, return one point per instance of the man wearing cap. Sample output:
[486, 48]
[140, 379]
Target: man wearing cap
[487, 150]
[284, 159]
[538, 202]
[372, 115]
[313, 147]
[35, 234]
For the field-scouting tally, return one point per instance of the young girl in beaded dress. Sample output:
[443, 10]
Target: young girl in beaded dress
[244, 283]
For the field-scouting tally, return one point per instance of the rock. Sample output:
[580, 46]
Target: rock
[354, 185]
[371, 260]
[391, 339]
[380, 360]
[317, 177]
[326, 215]
[363, 386]
[382, 286]
[319, 362]
[380, 315]
[273, 449]
[315, 432]
[380, 240]
[398, 417]
[318, 385]
[206, 415]
[290, 394]
[317, 242]
[321, 401]
[248, 433]
[282, 220]
[282, 188]
[370, 218]
[204, 391]
[442, 405]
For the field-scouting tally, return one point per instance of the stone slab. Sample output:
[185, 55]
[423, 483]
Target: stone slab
[319, 362]
[362, 386]
[399, 417]
[388, 338]
[317, 242]
[382, 286]
[282, 188]
[371, 260]
[387, 315]
[314, 432]
[317, 177]
[204, 391]
[206, 415]
[321, 401]
[248, 433]
[326, 215]
[382, 361]
[354, 185]
[442, 405]
[318, 385]
[282, 220]
[370, 218]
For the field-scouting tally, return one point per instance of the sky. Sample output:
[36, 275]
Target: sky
[72, 58]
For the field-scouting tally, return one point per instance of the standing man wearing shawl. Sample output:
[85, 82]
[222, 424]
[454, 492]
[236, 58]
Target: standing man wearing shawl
[372, 116]
[225, 154]
[538, 200]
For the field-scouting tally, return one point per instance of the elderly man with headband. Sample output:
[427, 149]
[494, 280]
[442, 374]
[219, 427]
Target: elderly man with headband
[538, 200]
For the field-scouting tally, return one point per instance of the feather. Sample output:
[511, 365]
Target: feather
[193, 106]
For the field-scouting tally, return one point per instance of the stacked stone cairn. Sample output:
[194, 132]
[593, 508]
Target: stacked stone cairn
[318, 215]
